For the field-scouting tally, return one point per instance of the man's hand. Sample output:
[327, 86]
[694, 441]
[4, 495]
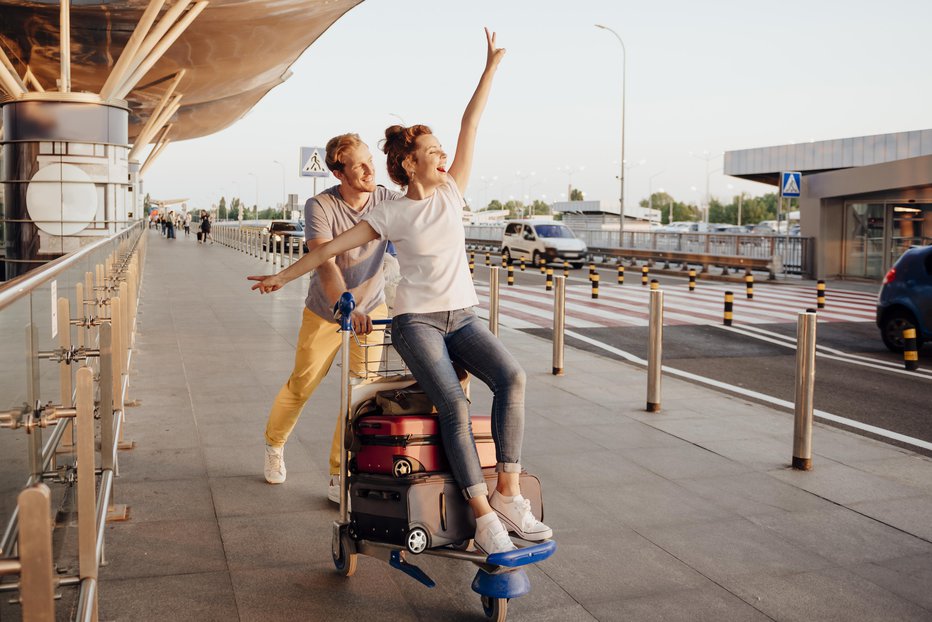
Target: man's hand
[267, 283]
[362, 323]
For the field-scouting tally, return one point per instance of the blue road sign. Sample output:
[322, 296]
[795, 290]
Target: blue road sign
[313, 163]
[790, 183]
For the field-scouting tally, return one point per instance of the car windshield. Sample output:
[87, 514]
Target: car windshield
[287, 226]
[554, 231]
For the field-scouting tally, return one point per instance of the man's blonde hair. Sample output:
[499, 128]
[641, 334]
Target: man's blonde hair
[339, 145]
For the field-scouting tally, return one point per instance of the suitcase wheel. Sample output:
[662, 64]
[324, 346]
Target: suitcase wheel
[417, 540]
[402, 467]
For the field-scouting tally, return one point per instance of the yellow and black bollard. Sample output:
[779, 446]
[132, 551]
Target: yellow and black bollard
[511, 275]
[645, 271]
[488, 259]
[820, 294]
[543, 265]
[595, 285]
[592, 271]
[654, 284]
[522, 264]
[621, 274]
[566, 268]
[549, 279]
[692, 280]
[472, 264]
[729, 307]
[749, 285]
[472, 257]
[910, 349]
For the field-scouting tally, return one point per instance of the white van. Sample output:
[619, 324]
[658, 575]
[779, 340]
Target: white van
[536, 239]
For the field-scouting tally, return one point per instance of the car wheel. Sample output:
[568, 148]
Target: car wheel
[576, 265]
[891, 329]
[536, 257]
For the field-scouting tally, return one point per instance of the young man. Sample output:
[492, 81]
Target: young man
[359, 271]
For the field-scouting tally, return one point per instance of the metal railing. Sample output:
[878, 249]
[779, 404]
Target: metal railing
[68, 330]
[276, 249]
[792, 252]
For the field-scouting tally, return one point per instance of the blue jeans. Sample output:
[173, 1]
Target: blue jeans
[429, 343]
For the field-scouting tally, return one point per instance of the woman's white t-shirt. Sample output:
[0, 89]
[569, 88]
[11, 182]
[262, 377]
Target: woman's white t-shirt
[430, 242]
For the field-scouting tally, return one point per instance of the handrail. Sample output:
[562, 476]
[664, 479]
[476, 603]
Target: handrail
[19, 287]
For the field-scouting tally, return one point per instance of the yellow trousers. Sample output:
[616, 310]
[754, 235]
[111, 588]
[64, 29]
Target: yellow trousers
[318, 344]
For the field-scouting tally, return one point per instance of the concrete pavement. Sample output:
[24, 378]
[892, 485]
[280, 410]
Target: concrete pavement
[689, 514]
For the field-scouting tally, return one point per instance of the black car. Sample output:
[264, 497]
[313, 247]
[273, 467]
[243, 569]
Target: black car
[284, 233]
[905, 298]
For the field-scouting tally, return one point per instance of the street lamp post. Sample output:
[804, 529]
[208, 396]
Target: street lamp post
[256, 179]
[621, 174]
[283, 185]
[708, 174]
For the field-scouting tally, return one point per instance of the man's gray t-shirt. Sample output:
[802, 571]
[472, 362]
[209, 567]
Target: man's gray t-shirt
[326, 216]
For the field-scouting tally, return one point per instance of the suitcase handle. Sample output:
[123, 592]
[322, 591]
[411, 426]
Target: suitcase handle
[370, 493]
[370, 425]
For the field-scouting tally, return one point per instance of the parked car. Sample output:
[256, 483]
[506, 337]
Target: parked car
[906, 298]
[285, 232]
[536, 239]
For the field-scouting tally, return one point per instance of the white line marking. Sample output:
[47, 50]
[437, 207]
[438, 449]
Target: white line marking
[908, 440]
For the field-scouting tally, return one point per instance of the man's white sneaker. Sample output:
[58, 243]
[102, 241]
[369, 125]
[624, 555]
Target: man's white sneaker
[516, 514]
[491, 536]
[274, 464]
[333, 489]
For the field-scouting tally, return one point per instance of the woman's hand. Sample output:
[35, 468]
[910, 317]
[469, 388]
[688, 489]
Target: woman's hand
[495, 54]
[267, 283]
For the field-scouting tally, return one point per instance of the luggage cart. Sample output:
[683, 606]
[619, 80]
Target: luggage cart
[500, 576]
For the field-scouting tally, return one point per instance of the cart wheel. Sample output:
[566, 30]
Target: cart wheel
[402, 467]
[346, 562]
[462, 545]
[495, 609]
[417, 540]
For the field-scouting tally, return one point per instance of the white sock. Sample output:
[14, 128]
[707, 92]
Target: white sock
[506, 499]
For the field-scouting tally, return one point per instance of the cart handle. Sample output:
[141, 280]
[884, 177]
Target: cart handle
[345, 307]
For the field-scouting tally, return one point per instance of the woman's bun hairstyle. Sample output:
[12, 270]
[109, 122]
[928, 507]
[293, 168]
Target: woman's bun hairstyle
[398, 144]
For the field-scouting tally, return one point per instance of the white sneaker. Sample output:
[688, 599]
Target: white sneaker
[516, 514]
[491, 536]
[333, 489]
[274, 464]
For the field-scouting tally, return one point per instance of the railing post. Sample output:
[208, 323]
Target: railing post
[37, 590]
[805, 385]
[655, 347]
[87, 511]
[559, 324]
[493, 299]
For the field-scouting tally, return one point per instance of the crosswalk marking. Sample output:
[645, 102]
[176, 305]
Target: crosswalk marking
[524, 306]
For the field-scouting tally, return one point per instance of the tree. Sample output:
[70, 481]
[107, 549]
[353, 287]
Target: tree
[147, 205]
[577, 195]
[494, 204]
[222, 209]
[515, 209]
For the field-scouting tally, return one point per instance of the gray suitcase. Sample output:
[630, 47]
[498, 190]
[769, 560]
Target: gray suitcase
[420, 511]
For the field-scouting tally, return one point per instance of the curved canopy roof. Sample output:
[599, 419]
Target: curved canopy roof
[233, 53]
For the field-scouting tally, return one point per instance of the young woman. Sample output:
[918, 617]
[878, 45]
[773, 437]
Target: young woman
[434, 324]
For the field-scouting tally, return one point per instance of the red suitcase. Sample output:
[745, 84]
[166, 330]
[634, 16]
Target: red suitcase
[405, 444]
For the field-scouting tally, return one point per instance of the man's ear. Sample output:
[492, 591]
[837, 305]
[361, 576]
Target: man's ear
[339, 175]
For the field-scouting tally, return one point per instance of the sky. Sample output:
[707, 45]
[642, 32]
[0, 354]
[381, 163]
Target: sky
[702, 78]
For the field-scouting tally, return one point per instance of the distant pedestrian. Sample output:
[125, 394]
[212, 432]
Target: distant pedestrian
[187, 224]
[205, 227]
[170, 226]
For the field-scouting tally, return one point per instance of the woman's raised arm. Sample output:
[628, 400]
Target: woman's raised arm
[465, 145]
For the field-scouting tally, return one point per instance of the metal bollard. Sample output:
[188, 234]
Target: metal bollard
[645, 272]
[595, 286]
[548, 279]
[511, 275]
[621, 274]
[472, 257]
[488, 259]
[472, 265]
[692, 280]
[655, 350]
[729, 307]
[910, 349]
[820, 294]
[566, 268]
[654, 285]
[592, 271]
[493, 300]
[522, 264]
[805, 383]
[543, 265]
[559, 324]
[749, 285]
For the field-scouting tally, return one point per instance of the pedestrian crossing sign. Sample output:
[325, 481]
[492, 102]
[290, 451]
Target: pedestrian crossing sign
[790, 184]
[313, 163]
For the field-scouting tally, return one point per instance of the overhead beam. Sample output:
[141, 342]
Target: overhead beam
[65, 46]
[161, 47]
[150, 124]
[9, 79]
[153, 157]
[118, 74]
[15, 74]
[143, 141]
